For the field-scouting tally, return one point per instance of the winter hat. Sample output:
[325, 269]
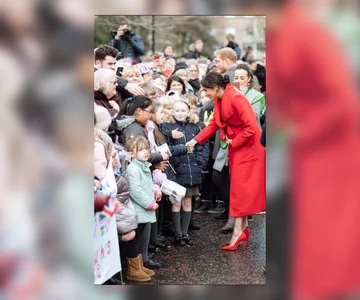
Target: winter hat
[211, 65]
[172, 95]
[103, 118]
[180, 66]
[143, 69]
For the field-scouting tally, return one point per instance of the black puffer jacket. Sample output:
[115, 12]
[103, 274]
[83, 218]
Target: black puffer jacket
[176, 150]
[128, 127]
[189, 166]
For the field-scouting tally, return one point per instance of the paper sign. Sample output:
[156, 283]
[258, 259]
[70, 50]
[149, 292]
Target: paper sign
[106, 248]
[176, 192]
[164, 148]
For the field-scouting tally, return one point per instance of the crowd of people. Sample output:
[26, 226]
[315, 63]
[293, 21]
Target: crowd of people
[209, 112]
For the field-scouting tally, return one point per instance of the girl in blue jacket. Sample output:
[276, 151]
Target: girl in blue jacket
[142, 196]
[178, 131]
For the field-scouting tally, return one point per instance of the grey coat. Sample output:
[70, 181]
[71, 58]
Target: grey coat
[126, 217]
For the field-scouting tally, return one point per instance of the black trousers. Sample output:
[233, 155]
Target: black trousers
[165, 214]
[131, 248]
[222, 183]
[207, 186]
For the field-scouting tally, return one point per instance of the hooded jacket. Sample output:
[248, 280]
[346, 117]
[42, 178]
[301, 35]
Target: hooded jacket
[128, 127]
[126, 217]
[235, 47]
[190, 165]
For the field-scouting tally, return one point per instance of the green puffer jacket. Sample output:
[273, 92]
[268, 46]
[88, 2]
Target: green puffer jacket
[141, 190]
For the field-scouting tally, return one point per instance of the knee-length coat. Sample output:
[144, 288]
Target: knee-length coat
[237, 120]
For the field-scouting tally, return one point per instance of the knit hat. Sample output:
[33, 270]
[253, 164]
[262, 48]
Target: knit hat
[180, 66]
[103, 118]
[173, 95]
[142, 69]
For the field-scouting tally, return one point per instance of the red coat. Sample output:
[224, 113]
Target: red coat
[234, 114]
[323, 109]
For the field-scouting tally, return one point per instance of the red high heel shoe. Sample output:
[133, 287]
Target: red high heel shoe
[246, 231]
[242, 238]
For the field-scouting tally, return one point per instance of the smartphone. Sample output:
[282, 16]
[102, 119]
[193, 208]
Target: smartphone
[119, 71]
[203, 61]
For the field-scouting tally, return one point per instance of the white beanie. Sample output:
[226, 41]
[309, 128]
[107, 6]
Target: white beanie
[103, 118]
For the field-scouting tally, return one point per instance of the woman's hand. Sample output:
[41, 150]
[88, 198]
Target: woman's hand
[176, 134]
[114, 105]
[155, 207]
[97, 184]
[191, 143]
[158, 195]
[135, 89]
[162, 166]
[165, 156]
[190, 146]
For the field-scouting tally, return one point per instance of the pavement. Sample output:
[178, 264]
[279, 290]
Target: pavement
[204, 263]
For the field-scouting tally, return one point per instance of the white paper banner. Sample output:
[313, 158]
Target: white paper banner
[106, 248]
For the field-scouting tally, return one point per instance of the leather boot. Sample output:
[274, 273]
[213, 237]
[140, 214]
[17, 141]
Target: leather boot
[134, 271]
[151, 273]
[194, 225]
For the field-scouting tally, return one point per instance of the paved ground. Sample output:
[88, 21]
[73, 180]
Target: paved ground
[205, 263]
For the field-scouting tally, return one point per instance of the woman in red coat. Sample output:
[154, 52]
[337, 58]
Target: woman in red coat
[237, 120]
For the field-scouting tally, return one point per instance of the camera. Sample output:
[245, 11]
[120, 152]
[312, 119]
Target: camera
[113, 33]
[126, 32]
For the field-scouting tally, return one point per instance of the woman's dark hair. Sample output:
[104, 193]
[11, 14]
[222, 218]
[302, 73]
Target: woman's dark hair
[249, 73]
[131, 104]
[178, 79]
[260, 74]
[215, 79]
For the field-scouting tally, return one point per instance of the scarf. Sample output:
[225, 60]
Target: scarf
[103, 138]
[150, 133]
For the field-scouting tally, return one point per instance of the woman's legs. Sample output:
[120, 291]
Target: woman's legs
[239, 227]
